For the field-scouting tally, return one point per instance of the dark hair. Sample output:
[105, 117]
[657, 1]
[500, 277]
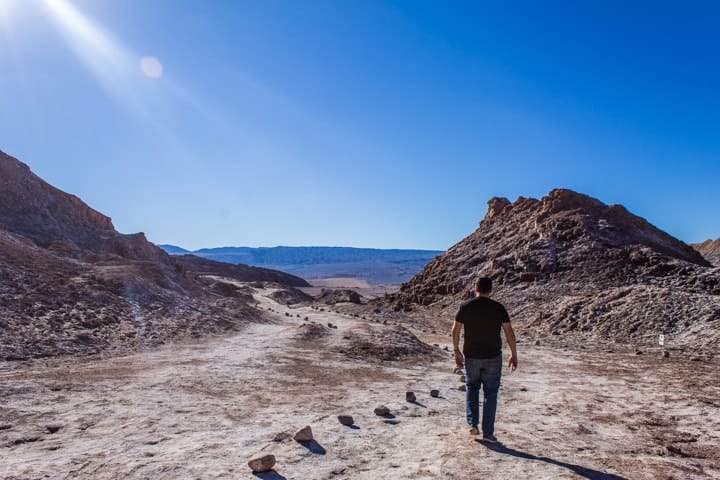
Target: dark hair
[483, 285]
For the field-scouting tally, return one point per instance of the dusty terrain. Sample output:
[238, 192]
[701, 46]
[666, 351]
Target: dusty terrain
[202, 410]
[363, 287]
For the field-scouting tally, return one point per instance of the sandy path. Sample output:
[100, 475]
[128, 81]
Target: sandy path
[200, 411]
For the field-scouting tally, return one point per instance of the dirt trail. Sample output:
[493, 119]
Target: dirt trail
[200, 411]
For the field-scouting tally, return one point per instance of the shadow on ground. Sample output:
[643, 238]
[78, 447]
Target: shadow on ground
[585, 472]
[314, 447]
[271, 475]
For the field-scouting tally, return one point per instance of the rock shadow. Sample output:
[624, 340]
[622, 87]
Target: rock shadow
[314, 447]
[585, 472]
[271, 475]
[418, 404]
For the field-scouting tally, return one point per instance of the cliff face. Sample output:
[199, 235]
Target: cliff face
[53, 219]
[568, 262]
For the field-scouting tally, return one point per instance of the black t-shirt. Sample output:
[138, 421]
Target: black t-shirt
[482, 318]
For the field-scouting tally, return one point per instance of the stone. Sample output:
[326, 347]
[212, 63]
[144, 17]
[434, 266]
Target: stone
[346, 420]
[537, 343]
[410, 397]
[665, 354]
[462, 388]
[305, 434]
[382, 411]
[435, 393]
[262, 463]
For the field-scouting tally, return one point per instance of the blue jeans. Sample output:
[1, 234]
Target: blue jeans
[485, 373]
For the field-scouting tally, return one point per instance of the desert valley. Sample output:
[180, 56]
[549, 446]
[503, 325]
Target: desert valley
[119, 360]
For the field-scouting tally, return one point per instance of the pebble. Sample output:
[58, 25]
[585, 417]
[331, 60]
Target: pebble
[462, 388]
[382, 410]
[305, 434]
[410, 397]
[346, 420]
[262, 463]
[435, 393]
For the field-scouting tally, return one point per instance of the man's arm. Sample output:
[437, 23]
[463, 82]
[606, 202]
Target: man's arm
[459, 359]
[510, 337]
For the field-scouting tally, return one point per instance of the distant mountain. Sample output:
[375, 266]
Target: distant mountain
[568, 263]
[710, 249]
[385, 266]
[173, 250]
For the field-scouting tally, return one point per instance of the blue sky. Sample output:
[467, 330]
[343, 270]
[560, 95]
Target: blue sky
[362, 123]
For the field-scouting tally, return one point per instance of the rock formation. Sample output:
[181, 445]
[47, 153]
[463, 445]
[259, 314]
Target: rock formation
[569, 263]
[710, 249]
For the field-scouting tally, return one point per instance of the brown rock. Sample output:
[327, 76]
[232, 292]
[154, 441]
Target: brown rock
[435, 393]
[382, 411]
[346, 420]
[262, 463]
[462, 388]
[410, 397]
[305, 434]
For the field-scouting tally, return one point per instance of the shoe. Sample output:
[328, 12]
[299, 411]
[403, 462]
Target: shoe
[474, 431]
[490, 439]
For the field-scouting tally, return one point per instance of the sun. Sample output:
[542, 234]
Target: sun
[6, 7]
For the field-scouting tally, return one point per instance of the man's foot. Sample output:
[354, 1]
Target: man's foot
[490, 439]
[474, 431]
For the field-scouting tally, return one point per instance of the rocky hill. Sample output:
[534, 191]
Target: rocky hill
[568, 263]
[243, 273]
[710, 249]
[70, 283]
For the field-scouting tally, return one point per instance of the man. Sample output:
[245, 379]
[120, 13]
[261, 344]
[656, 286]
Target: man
[483, 318]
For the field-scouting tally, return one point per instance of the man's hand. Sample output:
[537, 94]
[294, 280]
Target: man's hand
[512, 362]
[459, 359]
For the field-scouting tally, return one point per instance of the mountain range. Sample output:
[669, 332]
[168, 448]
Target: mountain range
[390, 266]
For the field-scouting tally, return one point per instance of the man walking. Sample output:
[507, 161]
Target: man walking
[483, 318]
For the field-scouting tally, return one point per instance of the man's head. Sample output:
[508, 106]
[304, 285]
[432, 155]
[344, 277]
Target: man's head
[483, 286]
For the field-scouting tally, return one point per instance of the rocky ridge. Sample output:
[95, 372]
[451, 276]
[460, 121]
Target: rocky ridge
[71, 284]
[568, 263]
[710, 249]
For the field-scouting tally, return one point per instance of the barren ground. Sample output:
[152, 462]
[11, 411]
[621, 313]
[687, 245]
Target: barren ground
[201, 411]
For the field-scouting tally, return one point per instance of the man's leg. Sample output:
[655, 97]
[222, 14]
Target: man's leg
[472, 394]
[491, 373]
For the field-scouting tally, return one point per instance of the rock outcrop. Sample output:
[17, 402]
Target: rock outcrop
[331, 297]
[710, 249]
[569, 263]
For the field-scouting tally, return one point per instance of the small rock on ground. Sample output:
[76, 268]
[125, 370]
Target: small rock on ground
[435, 393]
[382, 410]
[262, 463]
[346, 420]
[410, 397]
[462, 388]
[305, 434]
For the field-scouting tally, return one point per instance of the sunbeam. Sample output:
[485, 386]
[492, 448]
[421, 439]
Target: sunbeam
[111, 63]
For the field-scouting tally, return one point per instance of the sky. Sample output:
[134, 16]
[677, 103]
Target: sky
[385, 124]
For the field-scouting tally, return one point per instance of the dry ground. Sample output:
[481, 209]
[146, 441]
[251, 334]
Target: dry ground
[363, 287]
[200, 411]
